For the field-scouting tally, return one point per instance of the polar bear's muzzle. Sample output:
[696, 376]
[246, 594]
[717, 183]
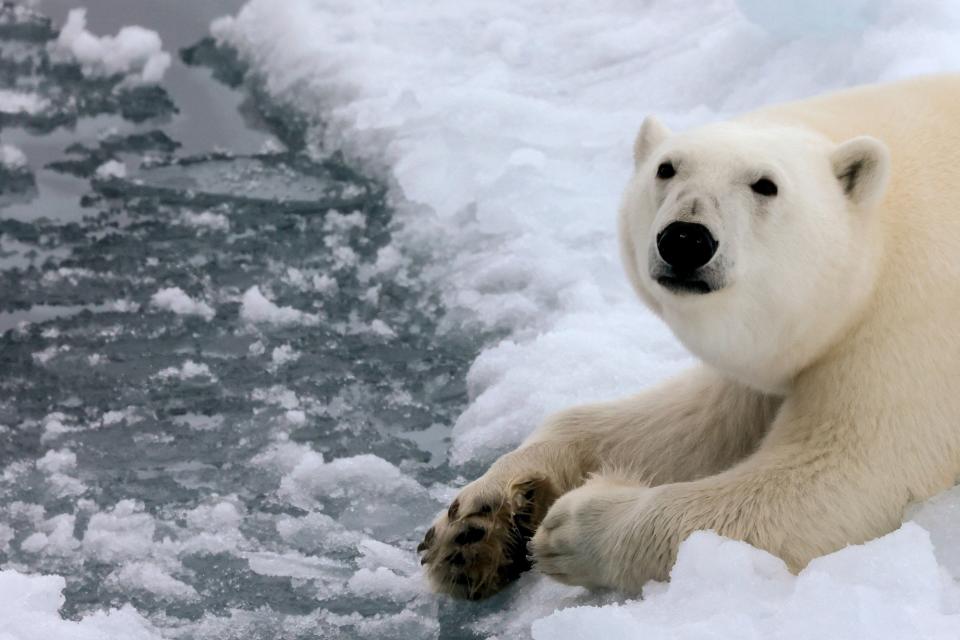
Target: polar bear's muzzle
[681, 259]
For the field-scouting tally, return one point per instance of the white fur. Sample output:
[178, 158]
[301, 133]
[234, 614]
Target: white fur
[829, 397]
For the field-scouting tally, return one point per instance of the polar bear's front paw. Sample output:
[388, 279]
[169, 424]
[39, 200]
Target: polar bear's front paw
[592, 537]
[478, 545]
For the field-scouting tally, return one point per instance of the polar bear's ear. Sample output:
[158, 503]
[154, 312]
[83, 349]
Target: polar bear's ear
[862, 165]
[652, 133]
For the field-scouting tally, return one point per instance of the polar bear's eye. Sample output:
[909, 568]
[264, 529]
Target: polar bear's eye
[666, 171]
[764, 187]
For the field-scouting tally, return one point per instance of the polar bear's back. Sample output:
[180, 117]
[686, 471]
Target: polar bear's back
[919, 120]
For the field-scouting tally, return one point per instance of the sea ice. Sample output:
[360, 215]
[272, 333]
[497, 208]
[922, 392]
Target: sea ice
[29, 611]
[257, 308]
[135, 52]
[176, 300]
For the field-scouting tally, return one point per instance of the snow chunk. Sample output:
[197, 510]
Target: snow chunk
[362, 492]
[11, 156]
[284, 354]
[55, 537]
[112, 169]
[293, 565]
[20, 102]
[176, 300]
[256, 308]
[148, 576]
[29, 608]
[189, 369]
[135, 52]
[57, 461]
[382, 582]
[124, 531]
[206, 219]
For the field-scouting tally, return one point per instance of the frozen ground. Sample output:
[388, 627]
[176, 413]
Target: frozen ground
[240, 379]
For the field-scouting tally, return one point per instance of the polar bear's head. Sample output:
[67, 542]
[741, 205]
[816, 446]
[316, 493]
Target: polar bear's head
[757, 243]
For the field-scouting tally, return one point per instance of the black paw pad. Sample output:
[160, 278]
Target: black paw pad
[470, 535]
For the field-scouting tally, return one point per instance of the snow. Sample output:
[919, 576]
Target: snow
[284, 354]
[176, 300]
[719, 588]
[134, 52]
[29, 610]
[258, 309]
[124, 531]
[189, 369]
[505, 131]
[151, 577]
[12, 101]
[206, 219]
[11, 156]
[111, 169]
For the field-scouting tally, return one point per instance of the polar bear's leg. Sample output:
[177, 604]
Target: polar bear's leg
[692, 426]
[821, 480]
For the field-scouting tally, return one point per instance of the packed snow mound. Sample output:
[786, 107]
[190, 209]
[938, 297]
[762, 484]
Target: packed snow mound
[135, 52]
[29, 610]
[891, 589]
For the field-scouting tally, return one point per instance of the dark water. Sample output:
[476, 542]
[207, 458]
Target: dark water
[195, 476]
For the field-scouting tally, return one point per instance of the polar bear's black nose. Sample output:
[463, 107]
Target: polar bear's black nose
[686, 246]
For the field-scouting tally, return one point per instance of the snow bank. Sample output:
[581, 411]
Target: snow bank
[891, 588]
[134, 52]
[29, 610]
[506, 128]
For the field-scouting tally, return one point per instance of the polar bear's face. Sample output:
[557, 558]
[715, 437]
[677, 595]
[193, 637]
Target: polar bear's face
[756, 244]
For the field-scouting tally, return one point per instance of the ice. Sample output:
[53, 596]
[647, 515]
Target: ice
[134, 51]
[891, 588]
[12, 157]
[257, 308]
[505, 131]
[55, 537]
[12, 101]
[124, 531]
[189, 369]
[257, 454]
[940, 516]
[177, 300]
[111, 169]
[28, 609]
[208, 219]
[284, 354]
[57, 461]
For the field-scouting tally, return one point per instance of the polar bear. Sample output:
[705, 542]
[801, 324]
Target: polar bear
[809, 255]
